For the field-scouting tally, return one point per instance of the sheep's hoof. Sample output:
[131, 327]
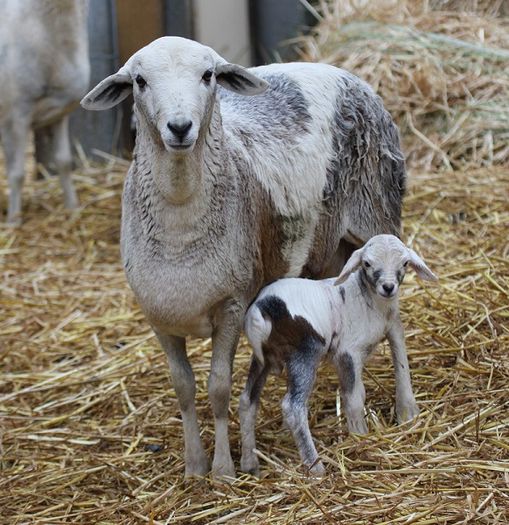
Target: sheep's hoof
[224, 471]
[358, 427]
[317, 470]
[72, 203]
[197, 468]
[250, 466]
[407, 412]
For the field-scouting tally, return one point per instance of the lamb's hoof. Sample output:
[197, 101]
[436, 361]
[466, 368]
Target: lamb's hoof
[223, 471]
[250, 466]
[72, 203]
[407, 412]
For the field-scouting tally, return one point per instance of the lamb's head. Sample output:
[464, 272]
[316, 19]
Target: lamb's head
[173, 81]
[383, 262]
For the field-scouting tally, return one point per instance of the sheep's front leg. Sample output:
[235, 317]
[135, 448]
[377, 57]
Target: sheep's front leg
[14, 139]
[301, 369]
[349, 368]
[224, 345]
[248, 406]
[197, 463]
[406, 406]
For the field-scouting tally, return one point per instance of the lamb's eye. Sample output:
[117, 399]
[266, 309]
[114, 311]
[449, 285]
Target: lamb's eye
[140, 81]
[366, 264]
[405, 264]
[207, 75]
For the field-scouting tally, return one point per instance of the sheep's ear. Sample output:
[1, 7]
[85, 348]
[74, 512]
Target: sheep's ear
[239, 79]
[351, 266]
[109, 92]
[420, 267]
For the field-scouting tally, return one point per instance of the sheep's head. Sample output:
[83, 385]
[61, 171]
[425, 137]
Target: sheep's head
[173, 81]
[383, 261]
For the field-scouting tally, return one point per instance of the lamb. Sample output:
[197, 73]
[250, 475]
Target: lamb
[240, 177]
[296, 323]
[45, 72]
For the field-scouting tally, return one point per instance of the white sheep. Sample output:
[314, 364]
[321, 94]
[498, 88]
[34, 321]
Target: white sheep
[295, 323]
[240, 177]
[45, 71]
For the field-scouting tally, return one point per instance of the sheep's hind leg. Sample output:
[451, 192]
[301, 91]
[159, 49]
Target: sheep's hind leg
[62, 160]
[301, 368]
[248, 407]
[197, 463]
[14, 140]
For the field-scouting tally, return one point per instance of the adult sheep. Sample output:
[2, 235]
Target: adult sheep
[240, 177]
[45, 71]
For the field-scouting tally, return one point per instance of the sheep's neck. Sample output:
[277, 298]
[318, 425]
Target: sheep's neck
[186, 186]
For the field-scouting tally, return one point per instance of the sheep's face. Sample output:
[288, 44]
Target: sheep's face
[174, 82]
[383, 262]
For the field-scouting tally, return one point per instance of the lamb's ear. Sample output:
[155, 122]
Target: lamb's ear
[420, 267]
[109, 92]
[239, 79]
[351, 266]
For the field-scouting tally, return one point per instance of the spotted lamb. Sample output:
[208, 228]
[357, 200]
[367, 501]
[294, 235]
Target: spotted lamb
[295, 323]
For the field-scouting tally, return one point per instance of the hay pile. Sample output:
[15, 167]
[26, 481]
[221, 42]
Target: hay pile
[443, 75]
[90, 429]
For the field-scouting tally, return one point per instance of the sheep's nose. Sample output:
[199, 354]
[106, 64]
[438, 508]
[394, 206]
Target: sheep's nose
[180, 129]
[388, 288]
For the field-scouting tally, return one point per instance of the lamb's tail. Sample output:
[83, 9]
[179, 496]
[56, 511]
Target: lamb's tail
[257, 329]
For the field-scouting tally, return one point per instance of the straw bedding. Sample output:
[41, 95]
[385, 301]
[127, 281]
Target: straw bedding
[443, 75]
[90, 429]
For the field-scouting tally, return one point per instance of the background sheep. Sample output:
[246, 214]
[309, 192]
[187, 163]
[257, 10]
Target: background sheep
[228, 192]
[294, 323]
[45, 72]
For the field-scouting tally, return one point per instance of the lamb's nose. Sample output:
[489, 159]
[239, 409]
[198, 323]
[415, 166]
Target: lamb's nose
[388, 288]
[180, 129]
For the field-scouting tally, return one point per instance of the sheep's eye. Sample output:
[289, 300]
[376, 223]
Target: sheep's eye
[207, 75]
[366, 264]
[405, 264]
[140, 81]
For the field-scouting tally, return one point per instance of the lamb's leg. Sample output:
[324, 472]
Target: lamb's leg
[62, 159]
[349, 368]
[197, 463]
[301, 369]
[224, 344]
[248, 406]
[14, 140]
[406, 406]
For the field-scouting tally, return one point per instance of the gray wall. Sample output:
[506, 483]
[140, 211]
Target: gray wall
[100, 129]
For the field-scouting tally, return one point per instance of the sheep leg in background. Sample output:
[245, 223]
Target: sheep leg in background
[301, 369]
[14, 139]
[62, 159]
[353, 394]
[197, 463]
[406, 407]
[248, 407]
[224, 345]
[42, 144]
